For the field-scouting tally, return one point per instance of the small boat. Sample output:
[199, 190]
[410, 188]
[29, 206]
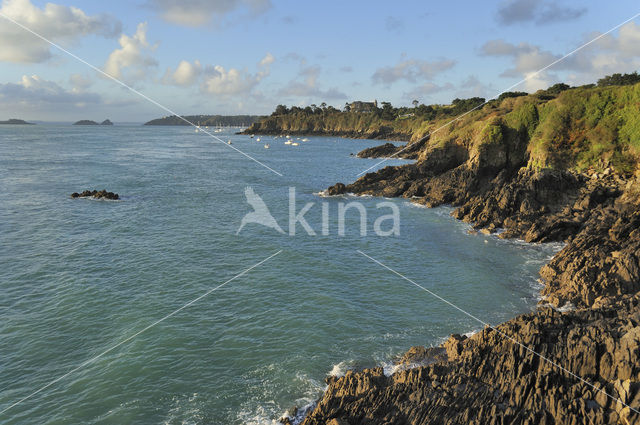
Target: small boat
[252, 136]
[266, 146]
[305, 140]
[295, 144]
[258, 139]
[229, 142]
[288, 142]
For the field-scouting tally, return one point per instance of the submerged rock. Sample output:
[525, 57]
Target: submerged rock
[97, 194]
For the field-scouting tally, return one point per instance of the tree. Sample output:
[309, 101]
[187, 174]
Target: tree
[508, 94]
[415, 103]
[426, 111]
[388, 112]
[558, 88]
[347, 107]
[619, 79]
[281, 110]
[323, 105]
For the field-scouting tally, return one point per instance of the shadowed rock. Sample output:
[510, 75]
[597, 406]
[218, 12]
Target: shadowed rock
[97, 194]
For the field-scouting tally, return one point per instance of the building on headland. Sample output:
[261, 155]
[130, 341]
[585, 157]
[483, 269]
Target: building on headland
[359, 106]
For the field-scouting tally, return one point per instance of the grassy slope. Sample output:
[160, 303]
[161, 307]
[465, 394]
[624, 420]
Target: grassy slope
[581, 128]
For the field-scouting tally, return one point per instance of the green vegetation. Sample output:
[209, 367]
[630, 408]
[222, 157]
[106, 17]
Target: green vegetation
[208, 120]
[581, 128]
[619, 80]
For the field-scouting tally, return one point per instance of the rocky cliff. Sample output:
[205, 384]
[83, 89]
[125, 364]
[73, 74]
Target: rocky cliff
[519, 171]
[342, 124]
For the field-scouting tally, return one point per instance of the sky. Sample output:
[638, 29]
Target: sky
[247, 56]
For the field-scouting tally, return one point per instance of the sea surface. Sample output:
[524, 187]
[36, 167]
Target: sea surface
[80, 276]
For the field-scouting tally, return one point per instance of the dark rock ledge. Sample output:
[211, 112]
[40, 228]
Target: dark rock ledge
[97, 194]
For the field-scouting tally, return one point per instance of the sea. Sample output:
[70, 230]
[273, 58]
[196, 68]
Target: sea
[155, 309]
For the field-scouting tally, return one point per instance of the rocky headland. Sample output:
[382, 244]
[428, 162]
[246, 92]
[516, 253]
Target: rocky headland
[541, 168]
[383, 133]
[207, 120]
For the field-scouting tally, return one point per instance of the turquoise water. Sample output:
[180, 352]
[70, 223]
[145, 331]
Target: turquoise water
[79, 276]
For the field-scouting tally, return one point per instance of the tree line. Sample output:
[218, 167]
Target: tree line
[387, 111]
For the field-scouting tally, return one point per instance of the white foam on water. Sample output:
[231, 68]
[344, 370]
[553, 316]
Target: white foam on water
[472, 333]
[413, 204]
[339, 369]
[185, 410]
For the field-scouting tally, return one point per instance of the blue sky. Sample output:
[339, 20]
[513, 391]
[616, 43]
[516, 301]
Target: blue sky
[247, 56]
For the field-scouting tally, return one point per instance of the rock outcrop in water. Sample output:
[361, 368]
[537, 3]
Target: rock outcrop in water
[587, 329]
[97, 194]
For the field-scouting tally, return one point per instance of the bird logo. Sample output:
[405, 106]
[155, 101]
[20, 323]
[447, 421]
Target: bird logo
[260, 214]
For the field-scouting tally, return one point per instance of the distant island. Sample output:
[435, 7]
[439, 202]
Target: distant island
[16, 121]
[90, 122]
[209, 120]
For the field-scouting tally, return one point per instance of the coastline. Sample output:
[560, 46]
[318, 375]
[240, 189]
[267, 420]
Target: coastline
[349, 134]
[585, 322]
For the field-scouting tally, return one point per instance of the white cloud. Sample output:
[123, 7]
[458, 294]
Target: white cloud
[220, 81]
[267, 60]
[79, 83]
[132, 54]
[540, 12]
[527, 58]
[57, 23]
[611, 54]
[186, 73]
[411, 70]
[424, 91]
[308, 88]
[195, 13]
[473, 87]
[33, 91]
